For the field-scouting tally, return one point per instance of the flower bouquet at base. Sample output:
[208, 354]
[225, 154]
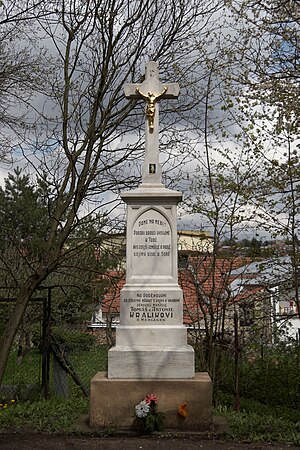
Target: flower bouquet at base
[147, 412]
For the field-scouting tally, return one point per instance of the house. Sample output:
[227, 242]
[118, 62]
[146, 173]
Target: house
[272, 278]
[190, 241]
[204, 282]
[260, 293]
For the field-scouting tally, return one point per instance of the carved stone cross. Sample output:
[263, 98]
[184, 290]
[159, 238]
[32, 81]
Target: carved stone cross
[152, 91]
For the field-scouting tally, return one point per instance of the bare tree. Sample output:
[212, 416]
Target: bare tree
[270, 33]
[75, 146]
[19, 74]
[225, 177]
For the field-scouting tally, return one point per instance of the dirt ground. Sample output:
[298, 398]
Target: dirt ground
[85, 438]
[39, 441]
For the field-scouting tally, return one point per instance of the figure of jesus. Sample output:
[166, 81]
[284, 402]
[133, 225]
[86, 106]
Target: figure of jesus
[151, 99]
[151, 90]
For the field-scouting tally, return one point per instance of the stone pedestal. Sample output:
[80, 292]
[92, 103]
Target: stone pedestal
[151, 341]
[113, 401]
[167, 362]
[151, 355]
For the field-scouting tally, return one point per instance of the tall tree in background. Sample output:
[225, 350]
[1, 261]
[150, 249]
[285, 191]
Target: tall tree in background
[24, 228]
[19, 73]
[89, 50]
[270, 102]
[238, 116]
[221, 190]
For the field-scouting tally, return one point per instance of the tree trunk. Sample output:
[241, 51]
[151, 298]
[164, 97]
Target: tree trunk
[15, 320]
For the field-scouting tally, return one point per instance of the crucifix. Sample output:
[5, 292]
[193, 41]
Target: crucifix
[152, 91]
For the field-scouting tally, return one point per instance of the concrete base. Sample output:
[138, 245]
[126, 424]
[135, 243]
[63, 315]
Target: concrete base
[113, 401]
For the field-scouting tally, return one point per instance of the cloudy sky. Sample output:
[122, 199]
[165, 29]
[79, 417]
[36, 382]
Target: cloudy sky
[184, 131]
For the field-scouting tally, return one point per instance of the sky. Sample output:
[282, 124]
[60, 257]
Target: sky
[189, 151]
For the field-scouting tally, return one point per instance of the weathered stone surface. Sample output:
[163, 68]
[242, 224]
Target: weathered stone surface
[151, 362]
[151, 341]
[151, 353]
[113, 401]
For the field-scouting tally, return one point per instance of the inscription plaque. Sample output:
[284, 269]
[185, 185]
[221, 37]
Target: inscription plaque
[146, 307]
[151, 244]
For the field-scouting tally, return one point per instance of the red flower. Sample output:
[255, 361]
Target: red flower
[151, 398]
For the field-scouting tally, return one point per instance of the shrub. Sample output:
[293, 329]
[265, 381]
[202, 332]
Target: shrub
[73, 340]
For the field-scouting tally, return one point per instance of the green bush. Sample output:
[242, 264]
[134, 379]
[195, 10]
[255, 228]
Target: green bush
[273, 379]
[270, 377]
[73, 340]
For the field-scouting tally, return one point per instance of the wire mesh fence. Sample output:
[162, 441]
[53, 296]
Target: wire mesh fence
[70, 371]
[76, 358]
[48, 357]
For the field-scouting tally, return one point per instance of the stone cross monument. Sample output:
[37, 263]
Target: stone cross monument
[151, 341]
[151, 354]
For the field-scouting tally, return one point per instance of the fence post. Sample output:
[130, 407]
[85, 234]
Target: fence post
[46, 344]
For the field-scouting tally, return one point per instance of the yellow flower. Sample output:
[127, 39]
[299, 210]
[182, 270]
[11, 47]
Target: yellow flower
[5, 406]
[182, 409]
[12, 401]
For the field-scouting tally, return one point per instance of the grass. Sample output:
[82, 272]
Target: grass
[59, 415]
[26, 372]
[52, 415]
[55, 414]
[257, 422]
[256, 428]
[86, 363]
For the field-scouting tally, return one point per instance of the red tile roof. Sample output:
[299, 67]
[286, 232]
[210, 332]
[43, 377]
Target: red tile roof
[205, 284]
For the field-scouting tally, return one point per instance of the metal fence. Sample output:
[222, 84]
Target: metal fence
[49, 358]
